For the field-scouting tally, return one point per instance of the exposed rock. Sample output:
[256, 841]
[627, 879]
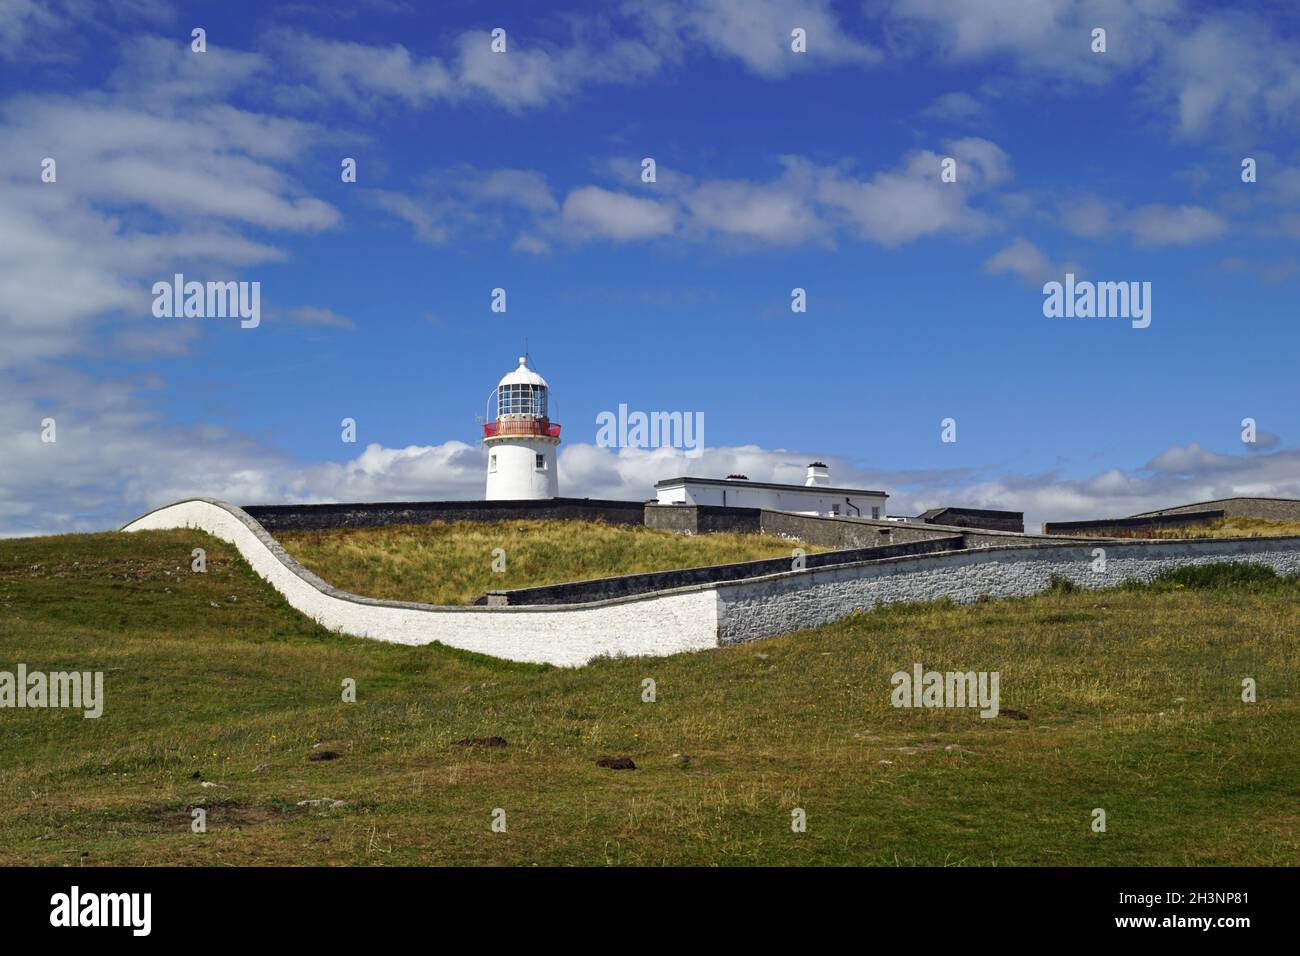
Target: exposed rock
[616, 763]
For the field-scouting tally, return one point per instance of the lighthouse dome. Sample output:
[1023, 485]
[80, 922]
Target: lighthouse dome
[523, 375]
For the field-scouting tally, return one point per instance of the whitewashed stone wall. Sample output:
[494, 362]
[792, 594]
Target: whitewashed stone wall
[704, 615]
[654, 624]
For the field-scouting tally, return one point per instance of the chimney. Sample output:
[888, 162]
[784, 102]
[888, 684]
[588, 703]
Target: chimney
[818, 475]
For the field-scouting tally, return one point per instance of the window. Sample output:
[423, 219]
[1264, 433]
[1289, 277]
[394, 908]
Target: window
[521, 400]
[541, 462]
[875, 512]
[835, 509]
[492, 462]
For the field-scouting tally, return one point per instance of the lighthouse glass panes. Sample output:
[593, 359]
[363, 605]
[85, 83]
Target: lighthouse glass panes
[520, 399]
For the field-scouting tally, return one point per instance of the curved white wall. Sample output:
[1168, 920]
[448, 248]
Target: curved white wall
[517, 476]
[568, 636]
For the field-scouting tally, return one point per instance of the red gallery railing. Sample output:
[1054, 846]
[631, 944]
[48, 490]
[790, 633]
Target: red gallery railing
[521, 427]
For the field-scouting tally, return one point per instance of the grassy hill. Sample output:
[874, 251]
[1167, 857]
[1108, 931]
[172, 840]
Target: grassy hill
[1132, 699]
[452, 562]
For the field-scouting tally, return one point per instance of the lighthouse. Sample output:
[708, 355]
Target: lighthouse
[521, 439]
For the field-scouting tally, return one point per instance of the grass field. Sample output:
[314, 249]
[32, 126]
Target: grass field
[1222, 528]
[452, 563]
[1132, 697]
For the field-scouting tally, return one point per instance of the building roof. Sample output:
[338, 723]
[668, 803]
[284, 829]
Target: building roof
[523, 375]
[805, 489]
[983, 512]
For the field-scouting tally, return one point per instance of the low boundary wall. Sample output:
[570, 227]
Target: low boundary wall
[837, 532]
[379, 514]
[705, 615]
[1242, 506]
[597, 589]
[1123, 526]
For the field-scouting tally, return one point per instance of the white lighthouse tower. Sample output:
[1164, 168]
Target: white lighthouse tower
[521, 439]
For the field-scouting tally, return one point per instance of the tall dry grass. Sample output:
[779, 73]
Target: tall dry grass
[452, 563]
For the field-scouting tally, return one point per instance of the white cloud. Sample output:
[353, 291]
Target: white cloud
[1211, 70]
[592, 211]
[1228, 72]
[1028, 263]
[361, 73]
[1160, 225]
[415, 212]
[775, 212]
[530, 73]
[1089, 217]
[467, 201]
[147, 186]
[623, 44]
[1154, 224]
[524, 187]
[59, 31]
[758, 32]
[806, 202]
[21, 21]
[894, 208]
[530, 244]
[957, 106]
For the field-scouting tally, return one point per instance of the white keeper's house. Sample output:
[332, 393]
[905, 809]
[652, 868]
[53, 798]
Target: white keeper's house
[816, 496]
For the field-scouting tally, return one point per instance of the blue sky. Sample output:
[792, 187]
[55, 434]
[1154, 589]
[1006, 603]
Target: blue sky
[521, 170]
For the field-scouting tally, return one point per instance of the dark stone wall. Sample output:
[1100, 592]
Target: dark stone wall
[378, 514]
[847, 532]
[702, 519]
[980, 538]
[1122, 526]
[1273, 509]
[983, 518]
[810, 529]
[605, 588]
[842, 532]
